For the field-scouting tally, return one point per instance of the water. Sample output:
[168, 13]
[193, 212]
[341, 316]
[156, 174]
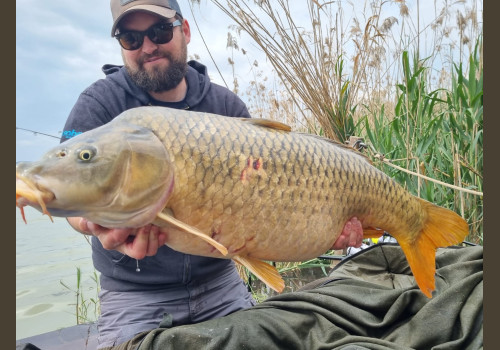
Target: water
[47, 253]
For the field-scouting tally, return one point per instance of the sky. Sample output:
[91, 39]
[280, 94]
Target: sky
[61, 46]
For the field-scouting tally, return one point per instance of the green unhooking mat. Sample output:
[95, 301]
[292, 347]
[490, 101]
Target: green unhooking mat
[369, 301]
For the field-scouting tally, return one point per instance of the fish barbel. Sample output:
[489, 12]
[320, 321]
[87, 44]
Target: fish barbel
[236, 188]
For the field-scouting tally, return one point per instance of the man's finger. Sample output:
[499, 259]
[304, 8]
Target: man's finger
[110, 238]
[138, 247]
[153, 241]
[162, 238]
[340, 243]
[356, 236]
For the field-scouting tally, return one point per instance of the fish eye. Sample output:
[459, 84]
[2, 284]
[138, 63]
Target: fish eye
[86, 155]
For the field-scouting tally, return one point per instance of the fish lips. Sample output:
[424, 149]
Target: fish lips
[32, 194]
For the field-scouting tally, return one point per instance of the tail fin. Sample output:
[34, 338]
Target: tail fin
[442, 228]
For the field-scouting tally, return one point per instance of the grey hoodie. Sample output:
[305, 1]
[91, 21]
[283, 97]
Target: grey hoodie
[99, 104]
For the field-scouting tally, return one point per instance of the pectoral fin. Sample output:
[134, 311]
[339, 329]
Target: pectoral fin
[265, 272]
[185, 227]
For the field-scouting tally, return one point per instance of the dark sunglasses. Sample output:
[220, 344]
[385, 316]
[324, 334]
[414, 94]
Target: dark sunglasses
[159, 33]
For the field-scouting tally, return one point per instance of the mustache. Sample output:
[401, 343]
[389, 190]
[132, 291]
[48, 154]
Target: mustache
[156, 53]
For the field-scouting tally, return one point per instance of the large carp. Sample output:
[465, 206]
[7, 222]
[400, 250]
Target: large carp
[235, 188]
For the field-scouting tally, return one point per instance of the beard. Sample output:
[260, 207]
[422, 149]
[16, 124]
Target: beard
[159, 78]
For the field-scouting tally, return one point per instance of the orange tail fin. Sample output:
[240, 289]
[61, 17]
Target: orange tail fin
[442, 229]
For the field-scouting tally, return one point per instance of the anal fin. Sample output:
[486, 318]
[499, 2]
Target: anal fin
[193, 230]
[265, 272]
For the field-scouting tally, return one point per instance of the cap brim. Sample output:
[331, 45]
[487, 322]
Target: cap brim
[157, 10]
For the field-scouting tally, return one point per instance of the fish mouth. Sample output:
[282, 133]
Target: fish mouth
[29, 193]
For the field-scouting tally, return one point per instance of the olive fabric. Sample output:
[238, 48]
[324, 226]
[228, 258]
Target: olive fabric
[369, 301]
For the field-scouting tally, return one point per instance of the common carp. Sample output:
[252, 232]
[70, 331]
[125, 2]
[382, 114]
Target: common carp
[236, 188]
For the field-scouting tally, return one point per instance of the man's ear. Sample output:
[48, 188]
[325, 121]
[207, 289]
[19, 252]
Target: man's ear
[187, 30]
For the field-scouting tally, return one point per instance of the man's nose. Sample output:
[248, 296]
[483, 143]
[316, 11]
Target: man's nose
[148, 46]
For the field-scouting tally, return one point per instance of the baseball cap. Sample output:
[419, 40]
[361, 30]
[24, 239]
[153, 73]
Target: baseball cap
[164, 8]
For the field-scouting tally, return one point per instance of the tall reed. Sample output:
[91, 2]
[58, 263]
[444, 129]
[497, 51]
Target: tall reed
[436, 133]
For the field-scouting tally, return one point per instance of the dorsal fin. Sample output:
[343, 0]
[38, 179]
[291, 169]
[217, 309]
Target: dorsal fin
[339, 144]
[267, 123]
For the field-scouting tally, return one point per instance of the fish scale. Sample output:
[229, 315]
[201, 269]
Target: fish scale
[246, 189]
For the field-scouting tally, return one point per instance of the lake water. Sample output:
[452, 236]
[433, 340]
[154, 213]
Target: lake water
[47, 253]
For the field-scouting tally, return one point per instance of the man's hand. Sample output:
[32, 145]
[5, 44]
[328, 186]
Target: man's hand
[352, 235]
[134, 242]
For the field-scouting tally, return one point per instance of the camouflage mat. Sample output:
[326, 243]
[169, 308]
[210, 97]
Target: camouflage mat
[369, 301]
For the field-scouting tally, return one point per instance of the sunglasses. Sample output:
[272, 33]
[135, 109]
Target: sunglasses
[159, 33]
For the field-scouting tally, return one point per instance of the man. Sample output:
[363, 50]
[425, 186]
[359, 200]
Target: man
[141, 278]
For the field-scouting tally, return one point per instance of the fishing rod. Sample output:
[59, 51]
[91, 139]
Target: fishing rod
[37, 132]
